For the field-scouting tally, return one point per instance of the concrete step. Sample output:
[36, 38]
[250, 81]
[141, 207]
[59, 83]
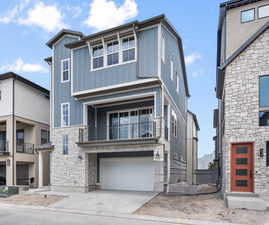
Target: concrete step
[244, 202]
[242, 194]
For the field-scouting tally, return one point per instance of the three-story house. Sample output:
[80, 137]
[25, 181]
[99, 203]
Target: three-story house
[242, 89]
[119, 108]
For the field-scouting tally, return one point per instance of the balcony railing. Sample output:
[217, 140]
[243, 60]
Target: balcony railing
[122, 132]
[25, 148]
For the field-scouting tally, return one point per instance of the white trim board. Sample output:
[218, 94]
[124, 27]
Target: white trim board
[143, 81]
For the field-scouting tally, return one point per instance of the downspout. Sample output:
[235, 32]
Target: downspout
[13, 130]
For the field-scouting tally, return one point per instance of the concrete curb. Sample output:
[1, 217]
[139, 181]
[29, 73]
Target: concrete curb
[123, 216]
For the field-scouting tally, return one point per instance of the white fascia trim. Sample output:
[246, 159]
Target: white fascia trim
[144, 81]
[159, 49]
[52, 92]
[72, 70]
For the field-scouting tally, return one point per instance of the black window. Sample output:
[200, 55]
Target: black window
[247, 15]
[264, 91]
[264, 118]
[267, 153]
[44, 137]
[65, 145]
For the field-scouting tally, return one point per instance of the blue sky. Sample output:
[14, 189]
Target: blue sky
[26, 25]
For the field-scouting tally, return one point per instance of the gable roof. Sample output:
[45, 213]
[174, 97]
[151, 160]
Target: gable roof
[244, 46]
[60, 34]
[15, 76]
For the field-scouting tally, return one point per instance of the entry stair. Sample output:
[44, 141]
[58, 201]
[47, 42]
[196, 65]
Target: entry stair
[248, 201]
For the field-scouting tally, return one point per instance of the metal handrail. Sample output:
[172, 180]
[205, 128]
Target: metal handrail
[128, 131]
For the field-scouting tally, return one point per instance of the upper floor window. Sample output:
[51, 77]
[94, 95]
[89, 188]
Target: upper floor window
[177, 83]
[65, 70]
[0, 95]
[45, 136]
[172, 70]
[65, 145]
[128, 49]
[163, 49]
[65, 114]
[263, 11]
[264, 91]
[247, 15]
[97, 57]
[267, 153]
[174, 124]
[112, 53]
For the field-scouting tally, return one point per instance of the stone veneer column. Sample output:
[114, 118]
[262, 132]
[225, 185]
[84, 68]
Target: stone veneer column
[68, 172]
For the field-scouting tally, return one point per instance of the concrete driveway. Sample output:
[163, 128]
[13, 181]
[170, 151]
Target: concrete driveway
[104, 201]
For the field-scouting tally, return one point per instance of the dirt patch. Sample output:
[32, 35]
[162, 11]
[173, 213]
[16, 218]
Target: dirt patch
[34, 200]
[202, 207]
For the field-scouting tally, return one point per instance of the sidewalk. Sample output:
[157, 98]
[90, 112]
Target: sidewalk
[117, 215]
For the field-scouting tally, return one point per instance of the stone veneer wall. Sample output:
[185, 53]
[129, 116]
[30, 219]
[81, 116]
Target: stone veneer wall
[68, 172]
[241, 90]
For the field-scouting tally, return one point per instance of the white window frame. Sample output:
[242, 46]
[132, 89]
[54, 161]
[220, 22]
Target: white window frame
[123, 111]
[171, 69]
[120, 52]
[92, 57]
[260, 7]
[174, 123]
[62, 70]
[177, 83]
[62, 116]
[163, 49]
[107, 54]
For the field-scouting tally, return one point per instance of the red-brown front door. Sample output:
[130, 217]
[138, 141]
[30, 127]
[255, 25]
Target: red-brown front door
[242, 168]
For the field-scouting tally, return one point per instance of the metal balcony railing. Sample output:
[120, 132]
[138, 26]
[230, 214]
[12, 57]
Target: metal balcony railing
[25, 148]
[130, 131]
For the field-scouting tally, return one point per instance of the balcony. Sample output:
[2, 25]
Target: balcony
[26, 148]
[123, 134]
[4, 148]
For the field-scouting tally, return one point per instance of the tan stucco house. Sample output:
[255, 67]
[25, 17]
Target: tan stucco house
[24, 124]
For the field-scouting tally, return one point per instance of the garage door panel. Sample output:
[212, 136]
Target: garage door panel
[135, 174]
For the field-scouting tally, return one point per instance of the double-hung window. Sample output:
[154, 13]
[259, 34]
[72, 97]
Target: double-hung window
[112, 50]
[172, 69]
[264, 101]
[163, 49]
[267, 153]
[128, 49]
[97, 57]
[174, 124]
[65, 65]
[65, 114]
[65, 145]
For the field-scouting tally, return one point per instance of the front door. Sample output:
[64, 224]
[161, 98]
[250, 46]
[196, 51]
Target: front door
[242, 168]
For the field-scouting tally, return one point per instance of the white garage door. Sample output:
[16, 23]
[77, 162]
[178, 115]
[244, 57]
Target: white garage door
[135, 174]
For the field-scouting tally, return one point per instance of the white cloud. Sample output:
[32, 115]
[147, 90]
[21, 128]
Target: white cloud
[14, 12]
[20, 66]
[105, 14]
[190, 59]
[47, 17]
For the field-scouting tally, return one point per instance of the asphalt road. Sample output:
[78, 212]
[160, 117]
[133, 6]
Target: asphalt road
[18, 216]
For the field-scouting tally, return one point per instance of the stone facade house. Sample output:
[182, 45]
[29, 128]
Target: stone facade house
[242, 119]
[119, 108]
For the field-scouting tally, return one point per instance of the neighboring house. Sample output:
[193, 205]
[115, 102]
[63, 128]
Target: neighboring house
[243, 95]
[119, 108]
[192, 147]
[24, 124]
